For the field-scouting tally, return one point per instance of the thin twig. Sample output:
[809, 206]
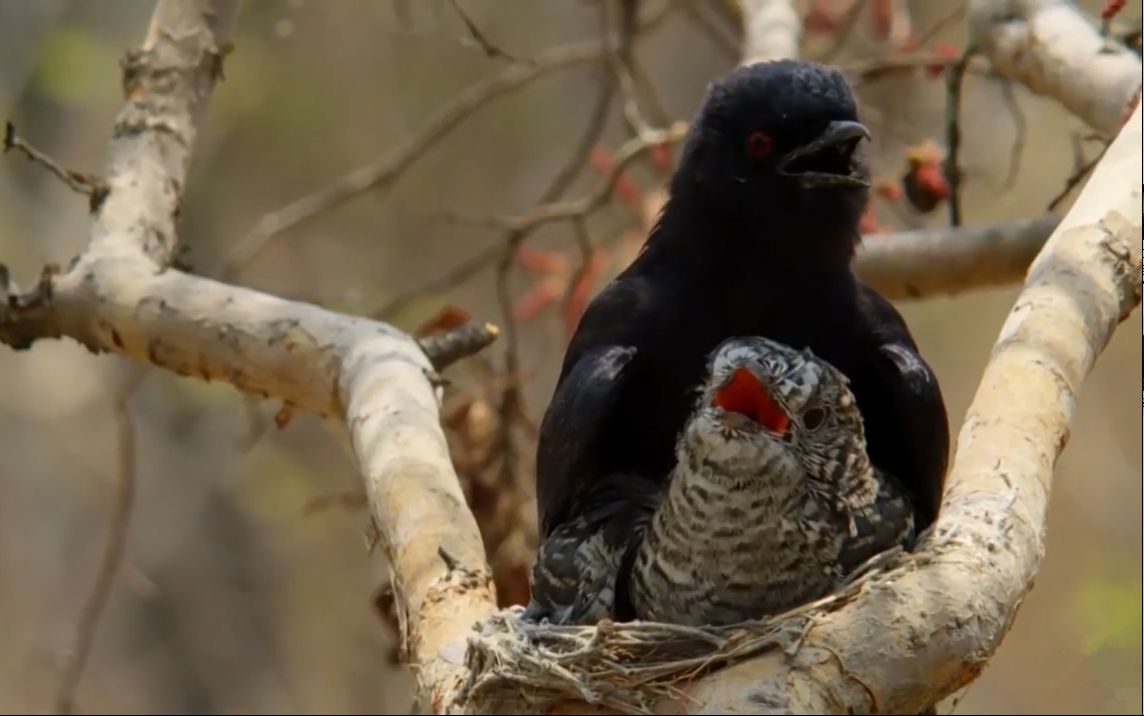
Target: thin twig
[619, 21]
[114, 548]
[943, 22]
[384, 172]
[1075, 179]
[559, 184]
[722, 37]
[954, 74]
[1019, 129]
[482, 42]
[572, 208]
[848, 24]
[87, 184]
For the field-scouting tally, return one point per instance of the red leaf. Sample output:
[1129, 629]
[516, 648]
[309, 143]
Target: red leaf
[447, 318]
[881, 18]
[604, 163]
[868, 224]
[1111, 9]
[541, 262]
[581, 291]
[536, 299]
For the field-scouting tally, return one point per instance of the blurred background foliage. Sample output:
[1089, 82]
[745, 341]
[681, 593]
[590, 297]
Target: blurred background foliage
[234, 596]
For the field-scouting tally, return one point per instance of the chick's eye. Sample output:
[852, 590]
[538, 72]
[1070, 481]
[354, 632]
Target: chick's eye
[759, 144]
[813, 418]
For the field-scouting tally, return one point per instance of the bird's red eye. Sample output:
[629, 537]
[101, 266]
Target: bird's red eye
[758, 144]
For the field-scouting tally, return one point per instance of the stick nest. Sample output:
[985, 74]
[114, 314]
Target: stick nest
[626, 666]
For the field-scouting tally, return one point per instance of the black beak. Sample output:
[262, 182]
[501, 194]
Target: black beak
[827, 160]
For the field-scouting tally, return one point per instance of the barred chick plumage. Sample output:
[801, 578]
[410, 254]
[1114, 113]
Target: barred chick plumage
[773, 499]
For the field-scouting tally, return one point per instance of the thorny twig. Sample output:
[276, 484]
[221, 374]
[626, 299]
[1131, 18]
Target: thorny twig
[87, 184]
[113, 551]
[954, 74]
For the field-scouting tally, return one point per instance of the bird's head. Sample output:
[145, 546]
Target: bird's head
[765, 405]
[778, 139]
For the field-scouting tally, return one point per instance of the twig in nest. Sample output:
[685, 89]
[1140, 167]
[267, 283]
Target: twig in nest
[1019, 129]
[112, 553]
[629, 666]
[954, 75]
[482, 42]
[87, 184]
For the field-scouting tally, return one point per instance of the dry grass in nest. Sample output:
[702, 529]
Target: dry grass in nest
[628, 666]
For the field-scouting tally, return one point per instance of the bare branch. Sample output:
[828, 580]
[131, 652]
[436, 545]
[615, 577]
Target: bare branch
[113, 551]
[91, 186]
[1055, 51]
[385, 171]
[478, 37]
[575, 208]
[929, 262]
[955, 73]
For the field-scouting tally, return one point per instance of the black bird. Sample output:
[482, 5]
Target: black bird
[756, 238]
[772, 503]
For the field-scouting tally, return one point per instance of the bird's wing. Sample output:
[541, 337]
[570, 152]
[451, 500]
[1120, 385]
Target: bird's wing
[578, 567]
[885, 523]
[911, 438]
[572, 427]
[597, 365]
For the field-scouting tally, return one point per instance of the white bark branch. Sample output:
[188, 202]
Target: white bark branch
[1056, 51]
[120, 296]
[772, 30]
[928, 262]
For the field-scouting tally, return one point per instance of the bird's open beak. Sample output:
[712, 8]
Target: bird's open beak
[828, 160]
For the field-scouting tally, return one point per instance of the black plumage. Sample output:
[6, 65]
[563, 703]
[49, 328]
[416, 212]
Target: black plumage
[756, 238]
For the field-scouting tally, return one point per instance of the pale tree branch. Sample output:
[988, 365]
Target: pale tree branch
[120, 296]
[931, 262]
[772, 30]
[1056, 51]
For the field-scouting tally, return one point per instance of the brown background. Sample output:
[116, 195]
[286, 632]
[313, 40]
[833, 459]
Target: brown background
[230, 599]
